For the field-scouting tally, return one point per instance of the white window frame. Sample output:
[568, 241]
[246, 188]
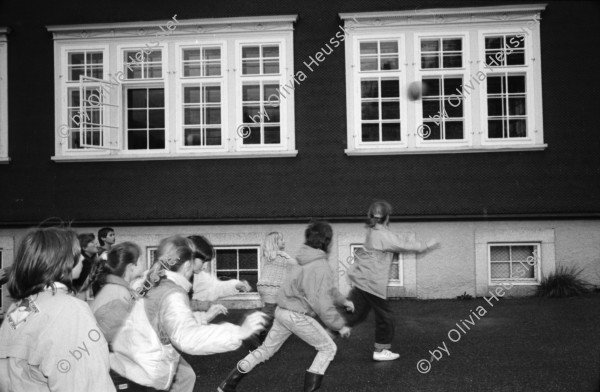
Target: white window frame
[472, 23]
[3, 96]
[392, 282]
[186, 81]
[355, 97]
[537, 256]
[441, 72]
[516, 235]
[150, 250]
[213, 269]
[285, 75]
[115, 38]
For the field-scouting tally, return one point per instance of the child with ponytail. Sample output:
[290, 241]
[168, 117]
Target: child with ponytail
[166, 300]
[370, 275]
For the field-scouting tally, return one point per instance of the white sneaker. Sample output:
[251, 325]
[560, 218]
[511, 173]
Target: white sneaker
[385, 355]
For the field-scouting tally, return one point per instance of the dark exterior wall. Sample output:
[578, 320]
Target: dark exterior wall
[321, 180]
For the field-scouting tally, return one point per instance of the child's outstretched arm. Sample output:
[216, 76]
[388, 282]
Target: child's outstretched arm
[397, 244]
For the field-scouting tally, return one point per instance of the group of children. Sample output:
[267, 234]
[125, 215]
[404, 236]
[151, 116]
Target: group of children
[50, 339]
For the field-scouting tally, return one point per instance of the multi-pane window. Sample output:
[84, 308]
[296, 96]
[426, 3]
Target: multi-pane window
[443, 118]
[507, 92]
[506, 106]
[442, 75]
[260, 105]
[151, 256]
[240, 263]
[440, 53]
[85, 63]
[504, 50]
[139, 64]
[395, 272]
[202, 85]
[145, 118]
[186, 95]
[465, 85]
[514, 262]
[264, 121]
[85, 116]
[260, 59]
[379, 91]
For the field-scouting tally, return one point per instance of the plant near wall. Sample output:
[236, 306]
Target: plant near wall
[464, 296]
[564, 282]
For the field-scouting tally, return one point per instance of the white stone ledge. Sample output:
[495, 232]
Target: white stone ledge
[173, 157]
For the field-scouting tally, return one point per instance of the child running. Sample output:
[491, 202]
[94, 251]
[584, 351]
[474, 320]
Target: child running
[276, 266]
[308, 292]
[370, 275]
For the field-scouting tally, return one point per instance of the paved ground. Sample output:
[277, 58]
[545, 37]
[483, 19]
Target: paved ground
[530, 344]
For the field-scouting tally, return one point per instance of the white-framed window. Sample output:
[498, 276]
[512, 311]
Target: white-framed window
[464, 80]
[514, 262]
[151, 256]
[238, 262]
[203, 88]
[396, 268]
[3, 96]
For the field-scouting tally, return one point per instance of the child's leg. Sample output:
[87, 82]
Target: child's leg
[361, 307]
[309, 330]
[384, 323]
[275, 339]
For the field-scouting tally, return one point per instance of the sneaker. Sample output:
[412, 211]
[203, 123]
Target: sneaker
[385, 355]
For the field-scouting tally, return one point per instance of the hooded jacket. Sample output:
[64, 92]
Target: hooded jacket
[309, 288]
[371, 269]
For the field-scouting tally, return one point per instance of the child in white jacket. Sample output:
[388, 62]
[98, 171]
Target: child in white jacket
[167, 306]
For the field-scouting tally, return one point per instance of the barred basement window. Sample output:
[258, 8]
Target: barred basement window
[514, 262]
[240, 263]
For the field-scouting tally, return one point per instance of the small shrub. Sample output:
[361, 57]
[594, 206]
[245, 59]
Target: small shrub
[464, 296]
[565, 282]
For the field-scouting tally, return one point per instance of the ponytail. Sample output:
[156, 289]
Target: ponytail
[172, 252]
[378, 213]
[117, 260]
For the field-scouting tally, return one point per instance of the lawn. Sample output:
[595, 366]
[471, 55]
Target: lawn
[509, 345]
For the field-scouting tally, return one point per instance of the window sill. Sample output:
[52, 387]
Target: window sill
[457, 150]
[4, 160]
[168, 157]
[513, 283]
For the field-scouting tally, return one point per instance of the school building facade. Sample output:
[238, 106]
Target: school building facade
[237, 119]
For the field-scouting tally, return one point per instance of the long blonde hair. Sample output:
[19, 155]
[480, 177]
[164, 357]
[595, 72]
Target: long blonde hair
[270, 247]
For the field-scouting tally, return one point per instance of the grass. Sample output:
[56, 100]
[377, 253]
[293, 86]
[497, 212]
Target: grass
[523, 344]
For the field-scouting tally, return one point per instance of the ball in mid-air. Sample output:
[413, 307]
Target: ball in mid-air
[415, 90]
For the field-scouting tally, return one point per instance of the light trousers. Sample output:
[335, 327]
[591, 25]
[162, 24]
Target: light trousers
[306, 328]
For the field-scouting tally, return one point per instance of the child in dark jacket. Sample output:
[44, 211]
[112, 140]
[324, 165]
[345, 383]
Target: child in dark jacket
[309, 291]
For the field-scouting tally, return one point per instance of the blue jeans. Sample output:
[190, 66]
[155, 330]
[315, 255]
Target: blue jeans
[306, 328]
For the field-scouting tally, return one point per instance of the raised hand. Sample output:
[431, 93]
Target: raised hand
[349, 305]
[345, 332]
[214, 311]
[243, 286]
[254, 323]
